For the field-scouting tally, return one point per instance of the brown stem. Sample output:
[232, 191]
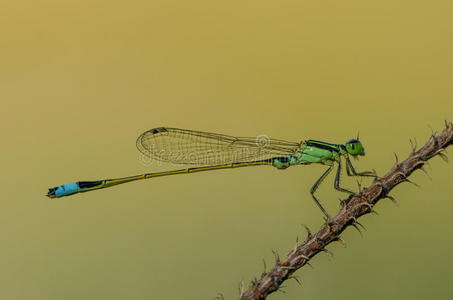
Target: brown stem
[356, 206]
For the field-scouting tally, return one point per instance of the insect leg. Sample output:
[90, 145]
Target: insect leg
[315, 187]
[350, 167]
[336, 184]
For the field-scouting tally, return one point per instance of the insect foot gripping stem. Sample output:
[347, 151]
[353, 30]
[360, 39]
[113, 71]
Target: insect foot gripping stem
[63, 190]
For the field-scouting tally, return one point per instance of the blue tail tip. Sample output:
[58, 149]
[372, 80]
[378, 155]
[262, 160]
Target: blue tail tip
[63, 190]
[51, 192]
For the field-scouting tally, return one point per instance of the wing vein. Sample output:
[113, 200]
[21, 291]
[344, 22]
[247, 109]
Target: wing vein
[183, 146]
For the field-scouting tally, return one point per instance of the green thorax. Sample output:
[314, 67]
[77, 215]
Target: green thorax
[319, 152]
[313, 151]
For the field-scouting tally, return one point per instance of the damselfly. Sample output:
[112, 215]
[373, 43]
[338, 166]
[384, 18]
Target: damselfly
[210, 151]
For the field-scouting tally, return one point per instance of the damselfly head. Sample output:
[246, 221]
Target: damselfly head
[355, 147]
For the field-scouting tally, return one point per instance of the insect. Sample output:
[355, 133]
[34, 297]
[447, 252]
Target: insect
[206, 151]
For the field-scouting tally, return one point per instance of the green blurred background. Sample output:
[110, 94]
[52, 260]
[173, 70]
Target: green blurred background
[80, 80]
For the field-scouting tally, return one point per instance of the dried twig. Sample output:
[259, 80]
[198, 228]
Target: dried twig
[356, 206]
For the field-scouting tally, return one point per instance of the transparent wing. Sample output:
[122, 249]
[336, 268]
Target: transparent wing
[182, 146]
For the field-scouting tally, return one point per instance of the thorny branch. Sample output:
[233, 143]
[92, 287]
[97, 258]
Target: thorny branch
[350, 210]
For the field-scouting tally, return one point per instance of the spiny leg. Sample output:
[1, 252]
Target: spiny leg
[336, 184]
[352, 172]
[315, 187]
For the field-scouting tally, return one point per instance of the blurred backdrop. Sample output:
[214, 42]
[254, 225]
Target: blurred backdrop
[80, 80]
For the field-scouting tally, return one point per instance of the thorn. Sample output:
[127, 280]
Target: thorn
[392, 199]
[413, 147]
[360, 224]
[448, 124]
[405, 178]
[355, 223]
[327, 251]
[280, 289]
[309, 234]
[396, 158]
[355, 226]
[441, 154]
[339, 239]
[426, 172]
[264, 272]
[433, 133]
[410, 181]
[295, 247]
[277, 257]
[434, 137]
[444, 157]
[241, 288]
[374, 212]
[296, 278]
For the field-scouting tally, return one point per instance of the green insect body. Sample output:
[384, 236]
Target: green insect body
[210, 151]
[312, 154]
[328, 154]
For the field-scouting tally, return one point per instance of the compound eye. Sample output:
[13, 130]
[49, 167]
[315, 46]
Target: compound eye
[353, 146]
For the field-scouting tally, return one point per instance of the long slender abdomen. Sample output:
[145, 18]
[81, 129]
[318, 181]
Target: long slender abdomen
[85, 186]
